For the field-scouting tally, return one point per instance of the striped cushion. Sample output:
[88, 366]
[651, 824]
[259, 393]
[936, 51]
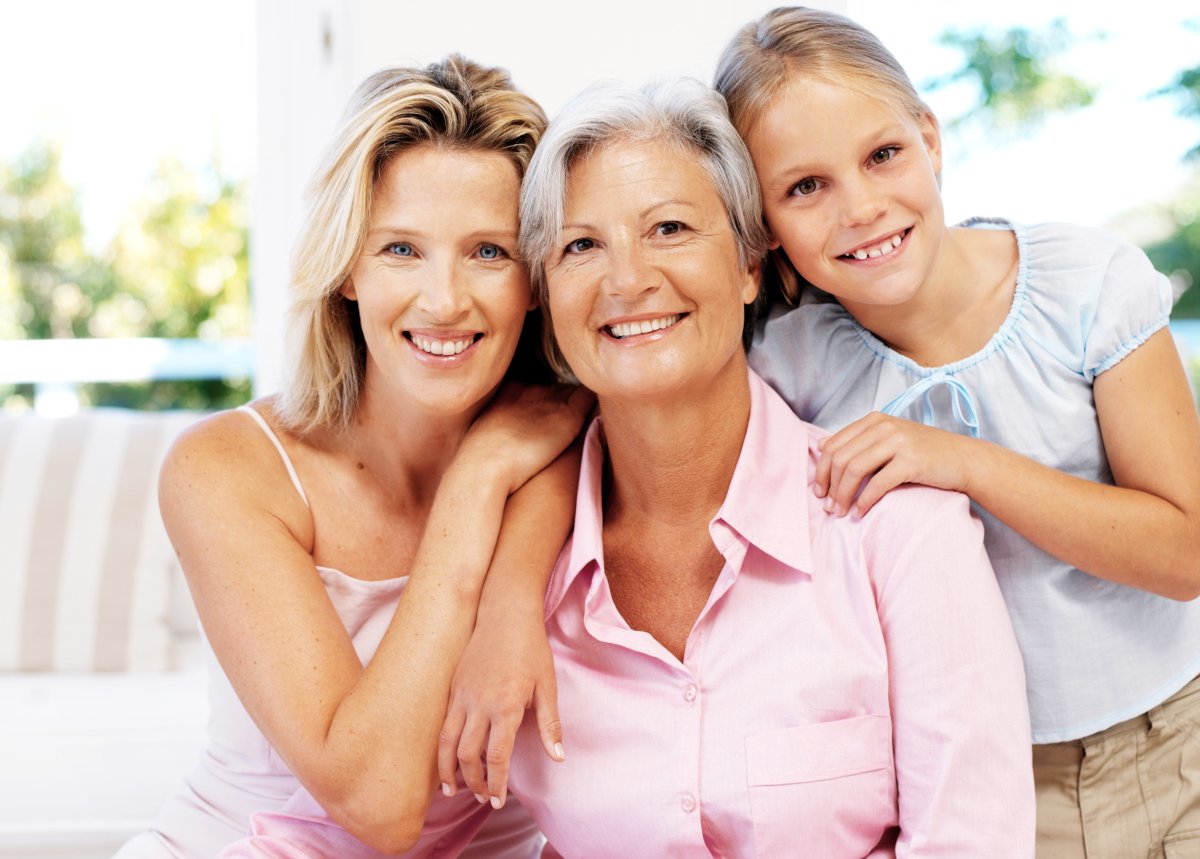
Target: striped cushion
[86, 571]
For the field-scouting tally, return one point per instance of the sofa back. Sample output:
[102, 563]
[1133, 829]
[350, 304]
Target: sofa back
[88, 579]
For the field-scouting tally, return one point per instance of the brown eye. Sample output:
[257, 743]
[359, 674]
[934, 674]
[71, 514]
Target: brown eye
[885, 154]
[805, 187]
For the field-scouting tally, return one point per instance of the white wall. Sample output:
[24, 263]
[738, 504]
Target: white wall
[313, 52]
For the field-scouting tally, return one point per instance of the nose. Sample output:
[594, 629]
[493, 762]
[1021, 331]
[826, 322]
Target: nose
[630, 274]
[445, 294]
[863, 203]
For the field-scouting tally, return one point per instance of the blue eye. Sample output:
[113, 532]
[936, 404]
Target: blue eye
[400, 249]
[490, 252]
[580, 245]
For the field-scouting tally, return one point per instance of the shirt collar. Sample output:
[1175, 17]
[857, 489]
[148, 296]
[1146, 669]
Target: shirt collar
[767, 504]
[769, 497]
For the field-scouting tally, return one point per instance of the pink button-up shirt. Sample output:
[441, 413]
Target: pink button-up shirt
[852, 687]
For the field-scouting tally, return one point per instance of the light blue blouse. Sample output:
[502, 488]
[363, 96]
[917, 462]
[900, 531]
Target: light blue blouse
[1095, 652]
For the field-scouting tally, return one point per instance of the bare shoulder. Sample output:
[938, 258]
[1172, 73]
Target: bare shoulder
[226, 465]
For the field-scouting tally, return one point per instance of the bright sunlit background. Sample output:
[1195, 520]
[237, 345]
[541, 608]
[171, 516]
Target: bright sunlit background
[150, 102]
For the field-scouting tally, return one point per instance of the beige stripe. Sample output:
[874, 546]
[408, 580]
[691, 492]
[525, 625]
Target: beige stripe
[119, 571]
[45, 554]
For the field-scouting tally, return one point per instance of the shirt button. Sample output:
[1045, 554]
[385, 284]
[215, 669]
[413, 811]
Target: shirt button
[689, 694]
[688, 803]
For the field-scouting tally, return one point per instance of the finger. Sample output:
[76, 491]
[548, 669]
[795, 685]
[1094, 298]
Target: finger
[884, 481]
[470, 756]
[447, 753]
[501, 737]
[853, 464]
[830, 446]
[545, 704]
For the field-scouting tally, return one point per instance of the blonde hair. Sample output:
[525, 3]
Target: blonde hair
[684, 113]
[455, 103]
[797, 41]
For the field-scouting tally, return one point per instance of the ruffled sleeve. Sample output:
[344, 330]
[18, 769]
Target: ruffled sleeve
[1133, 302]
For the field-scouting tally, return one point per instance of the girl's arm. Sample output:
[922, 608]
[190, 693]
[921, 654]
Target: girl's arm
[363, 741]
[1144, 532]
[507, 667]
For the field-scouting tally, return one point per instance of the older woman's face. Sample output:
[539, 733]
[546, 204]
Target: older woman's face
[646, 291]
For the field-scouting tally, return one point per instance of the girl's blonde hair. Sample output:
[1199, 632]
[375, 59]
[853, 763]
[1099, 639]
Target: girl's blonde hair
[455, 103]
[797, 41]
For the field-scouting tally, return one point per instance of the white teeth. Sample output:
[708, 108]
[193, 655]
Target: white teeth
[882, 249]
[645, 326]
[441, 347]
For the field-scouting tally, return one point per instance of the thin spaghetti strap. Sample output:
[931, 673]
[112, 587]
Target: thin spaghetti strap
[287, 460]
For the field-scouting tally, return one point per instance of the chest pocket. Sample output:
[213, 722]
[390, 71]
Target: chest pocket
[824, 789]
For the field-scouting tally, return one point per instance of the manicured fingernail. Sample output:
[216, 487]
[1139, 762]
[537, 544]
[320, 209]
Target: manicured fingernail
[559, 754]
[447, 790]
[497, 803]
[818, 491]
[828, 505]
[481, 798]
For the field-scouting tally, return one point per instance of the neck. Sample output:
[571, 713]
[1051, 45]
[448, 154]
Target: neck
[934, 326]
[672, 462]
[405, 447]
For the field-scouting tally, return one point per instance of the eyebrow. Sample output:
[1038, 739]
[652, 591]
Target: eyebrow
[399, 230]
[642, 214]
[801, 169]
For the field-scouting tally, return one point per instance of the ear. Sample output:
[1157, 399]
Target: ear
[931, 133]
[751, 280]
[347, 290]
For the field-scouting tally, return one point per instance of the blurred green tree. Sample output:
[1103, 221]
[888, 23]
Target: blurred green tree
[178, 267]
[1014, 74]
[1018, 83]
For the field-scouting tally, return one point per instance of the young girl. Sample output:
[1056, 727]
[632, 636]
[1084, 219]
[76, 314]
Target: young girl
[1027, 366]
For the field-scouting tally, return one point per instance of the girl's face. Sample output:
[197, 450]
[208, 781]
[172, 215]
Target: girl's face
[850, 191]
[440, 294]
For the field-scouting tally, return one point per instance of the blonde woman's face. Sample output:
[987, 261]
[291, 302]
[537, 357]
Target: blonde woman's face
[440, 293]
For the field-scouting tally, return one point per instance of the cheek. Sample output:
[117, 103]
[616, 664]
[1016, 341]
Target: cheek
[568, 313]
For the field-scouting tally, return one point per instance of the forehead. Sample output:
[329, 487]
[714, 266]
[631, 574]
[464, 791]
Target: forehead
[427, 172]
[810, 112]
[625, 169]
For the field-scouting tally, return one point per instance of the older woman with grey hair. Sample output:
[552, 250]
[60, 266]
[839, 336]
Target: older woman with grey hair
[739, 672]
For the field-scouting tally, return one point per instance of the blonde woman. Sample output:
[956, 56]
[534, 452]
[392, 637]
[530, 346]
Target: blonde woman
[335, 537]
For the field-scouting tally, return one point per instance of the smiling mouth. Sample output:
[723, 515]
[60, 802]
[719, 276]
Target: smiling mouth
[442, 347]
[878, 249]
[621, 330]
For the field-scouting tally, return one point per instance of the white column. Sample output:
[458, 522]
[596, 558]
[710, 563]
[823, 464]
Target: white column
[304, 79]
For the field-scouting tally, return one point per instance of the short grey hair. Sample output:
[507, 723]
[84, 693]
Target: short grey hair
[682, 112]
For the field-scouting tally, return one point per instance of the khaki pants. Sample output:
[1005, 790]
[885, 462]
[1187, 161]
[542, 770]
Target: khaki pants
[1129, 792]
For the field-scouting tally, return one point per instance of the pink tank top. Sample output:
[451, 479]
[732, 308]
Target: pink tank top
[240, 774]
